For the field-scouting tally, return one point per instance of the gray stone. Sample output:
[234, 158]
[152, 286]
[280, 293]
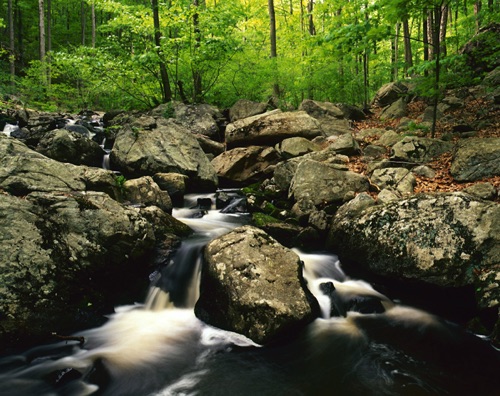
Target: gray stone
[449, 240]
[419, 150]
[389, 93]
[344, 144]
[374, 151]
[252, 285]
[394, 110]
[321, 109]
[244, 108]
[475, 159]
[168, 148]
[325, 183]
[271, 128]
[67, 146]
[482, 190]
[145, 192]
[400, 179]
[65, 260]
[389, 138]
[245, 165]
[295, 147]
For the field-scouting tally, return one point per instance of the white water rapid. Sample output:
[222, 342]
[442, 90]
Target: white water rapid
[364, 344]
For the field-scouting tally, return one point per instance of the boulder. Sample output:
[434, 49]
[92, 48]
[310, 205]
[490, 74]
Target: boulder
[400, 179]
[174, 184]
[252, 285]
[475, 159]
[271, 128]
[145, 192]
[244, 108]
[389, 93]
[396, 109]
[344, 144]
[167, 148]
[482, 191]
[245, 165]
[23, 170]
[482, 52]
[202, 119]
[66, 259]
[296, 147]
[419, 150]
[447, 240]
[389, 138]
[65, 145]
[321, 109]
[324, 183]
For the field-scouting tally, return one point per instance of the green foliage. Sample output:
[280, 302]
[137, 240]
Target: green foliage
[120, 183]
[226, 49]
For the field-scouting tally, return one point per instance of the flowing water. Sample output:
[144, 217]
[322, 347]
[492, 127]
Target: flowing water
[364, 344]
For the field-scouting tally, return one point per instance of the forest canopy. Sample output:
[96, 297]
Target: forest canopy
[136, 54]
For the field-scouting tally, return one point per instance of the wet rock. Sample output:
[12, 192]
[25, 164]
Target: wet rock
[447, 240]
[252, 285]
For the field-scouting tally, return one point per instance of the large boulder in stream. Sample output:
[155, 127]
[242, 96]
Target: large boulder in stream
[252, 285]
[167, 148]
[64, 145]
[66, 259]
[448, 240]
[23, 170]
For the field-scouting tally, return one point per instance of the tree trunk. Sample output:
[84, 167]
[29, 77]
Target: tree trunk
[164, 81]
[478, 5]
[425, 37]
[274, 52]
[41, 30]
[12, 46]
[437, 56]
[430, 36]
[407, 46]
[49, 39]
[442, 29]
[310, 7]
[93, 24]
[83, 21]
[396, 51]
[197, 78]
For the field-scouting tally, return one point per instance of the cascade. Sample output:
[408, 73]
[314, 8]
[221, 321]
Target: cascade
[364, 344]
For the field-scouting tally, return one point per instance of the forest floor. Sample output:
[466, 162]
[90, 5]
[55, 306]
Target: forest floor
[473, 110]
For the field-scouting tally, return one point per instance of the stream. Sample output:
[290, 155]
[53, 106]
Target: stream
[159, 348]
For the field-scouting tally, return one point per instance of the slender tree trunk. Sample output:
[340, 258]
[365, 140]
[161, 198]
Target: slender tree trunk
[396, 53]
[12, 41]
[425, 37]
[430, 35]
[478, 5]
[41, 30]
[49, 40]
[437, 71]
[93, 24]
[197, 78]
[274, 51]
[83, 23]
[442, 29]
[310, 7]
[19, 34]
[407, 46]
[164, 81]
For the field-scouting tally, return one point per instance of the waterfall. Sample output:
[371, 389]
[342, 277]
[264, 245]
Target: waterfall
[364, 344]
